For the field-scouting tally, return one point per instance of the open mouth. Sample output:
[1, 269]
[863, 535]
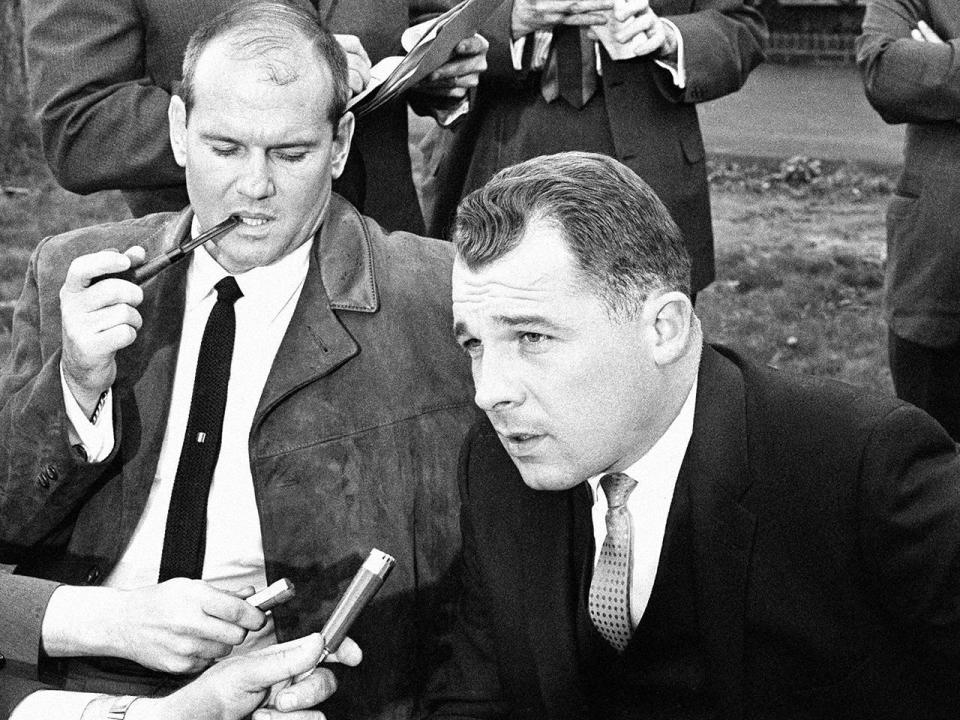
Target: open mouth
[253, 221]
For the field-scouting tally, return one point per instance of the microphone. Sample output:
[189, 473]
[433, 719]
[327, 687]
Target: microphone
[362, 588]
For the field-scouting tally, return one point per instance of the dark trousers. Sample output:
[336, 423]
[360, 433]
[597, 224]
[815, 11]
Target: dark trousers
[928, 377]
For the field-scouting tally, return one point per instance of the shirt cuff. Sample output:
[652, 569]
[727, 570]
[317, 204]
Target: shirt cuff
[678, 71]
[516, 52]
[46, 704]
[96, 439]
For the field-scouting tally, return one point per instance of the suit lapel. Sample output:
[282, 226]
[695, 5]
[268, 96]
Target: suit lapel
[340, 277]
[716, 470]
[550, 590]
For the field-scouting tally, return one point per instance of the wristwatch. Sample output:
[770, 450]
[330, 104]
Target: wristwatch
[118, 710]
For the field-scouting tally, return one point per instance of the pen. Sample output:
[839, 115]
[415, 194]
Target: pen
[151, 268]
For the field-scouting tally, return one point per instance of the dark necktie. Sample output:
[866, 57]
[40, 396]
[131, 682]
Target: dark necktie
[184, 540]
[572, 61]
[610, 588]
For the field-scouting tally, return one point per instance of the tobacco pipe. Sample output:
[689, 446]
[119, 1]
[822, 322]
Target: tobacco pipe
[151, 268]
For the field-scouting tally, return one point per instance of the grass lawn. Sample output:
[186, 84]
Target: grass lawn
[800, 251]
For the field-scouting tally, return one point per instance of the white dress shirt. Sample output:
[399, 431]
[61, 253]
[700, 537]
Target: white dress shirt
[649, 504]
[234, 552]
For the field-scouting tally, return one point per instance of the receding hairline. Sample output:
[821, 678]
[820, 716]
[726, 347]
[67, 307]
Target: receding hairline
[232, 46]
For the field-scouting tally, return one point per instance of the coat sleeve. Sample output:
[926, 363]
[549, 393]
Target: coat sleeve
[908, 80]
[23, 601]
[88, 82]
[910, 531]
[723, 42]
[43, 479]
[467, 684]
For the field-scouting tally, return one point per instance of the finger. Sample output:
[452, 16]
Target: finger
[646, 44]
[271, 714]
[352, 46]
[136, 254]
[349, 653]
[917, 35]
[263, 668]
[589, 6]
[582, 19]
[626, 9]
[219, 631]
[637, 27]
[86, 267]
[244, 592]
[205, 649]
[472, 65]
[313, 690]
[112, 316]
[929, 34]
[225, 606]
[474, 45]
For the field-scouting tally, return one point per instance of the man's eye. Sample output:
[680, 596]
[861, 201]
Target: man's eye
[471, 346]
[224, 150]
[532, 338]
[291, 157]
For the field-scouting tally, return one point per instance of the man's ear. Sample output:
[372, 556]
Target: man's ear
[670, 316]
[177, 118]
[341, 144]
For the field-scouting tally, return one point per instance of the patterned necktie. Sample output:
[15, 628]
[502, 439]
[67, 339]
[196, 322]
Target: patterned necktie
[610, 588]
[185, 537]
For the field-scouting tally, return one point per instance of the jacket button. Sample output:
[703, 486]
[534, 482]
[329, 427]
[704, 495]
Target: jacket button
[93, 575]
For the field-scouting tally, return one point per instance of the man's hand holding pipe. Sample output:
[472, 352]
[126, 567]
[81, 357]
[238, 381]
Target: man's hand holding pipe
[97, 321]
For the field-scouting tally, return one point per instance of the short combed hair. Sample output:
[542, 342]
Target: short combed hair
[622, 237]
[269, 29]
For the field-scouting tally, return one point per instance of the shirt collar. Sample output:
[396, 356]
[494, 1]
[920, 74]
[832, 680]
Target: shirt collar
[667, 452]
[266, 288]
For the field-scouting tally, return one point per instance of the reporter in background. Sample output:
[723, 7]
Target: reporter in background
[908, 57]
[101, 74]
[39, 616]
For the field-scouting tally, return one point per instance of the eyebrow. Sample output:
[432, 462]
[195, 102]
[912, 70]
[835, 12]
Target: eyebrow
[213, 137]
[460, 327]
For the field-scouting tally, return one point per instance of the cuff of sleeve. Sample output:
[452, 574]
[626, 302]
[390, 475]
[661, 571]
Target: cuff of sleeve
[516, 52]
[46, 704]
[94, 438]
[677, 71]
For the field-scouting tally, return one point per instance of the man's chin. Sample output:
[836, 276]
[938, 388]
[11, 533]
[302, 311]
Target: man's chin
[539, 476]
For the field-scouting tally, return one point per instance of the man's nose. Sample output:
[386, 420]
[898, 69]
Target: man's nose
[497, 382]
[256, 179]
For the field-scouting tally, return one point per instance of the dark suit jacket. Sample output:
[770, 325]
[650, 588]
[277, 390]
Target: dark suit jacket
[918, 83]
[653, 124]
[23, 601]
[353, 444]
[826, 541]
[101, 75]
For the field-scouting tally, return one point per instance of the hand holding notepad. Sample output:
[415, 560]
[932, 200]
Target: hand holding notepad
[429, 46]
